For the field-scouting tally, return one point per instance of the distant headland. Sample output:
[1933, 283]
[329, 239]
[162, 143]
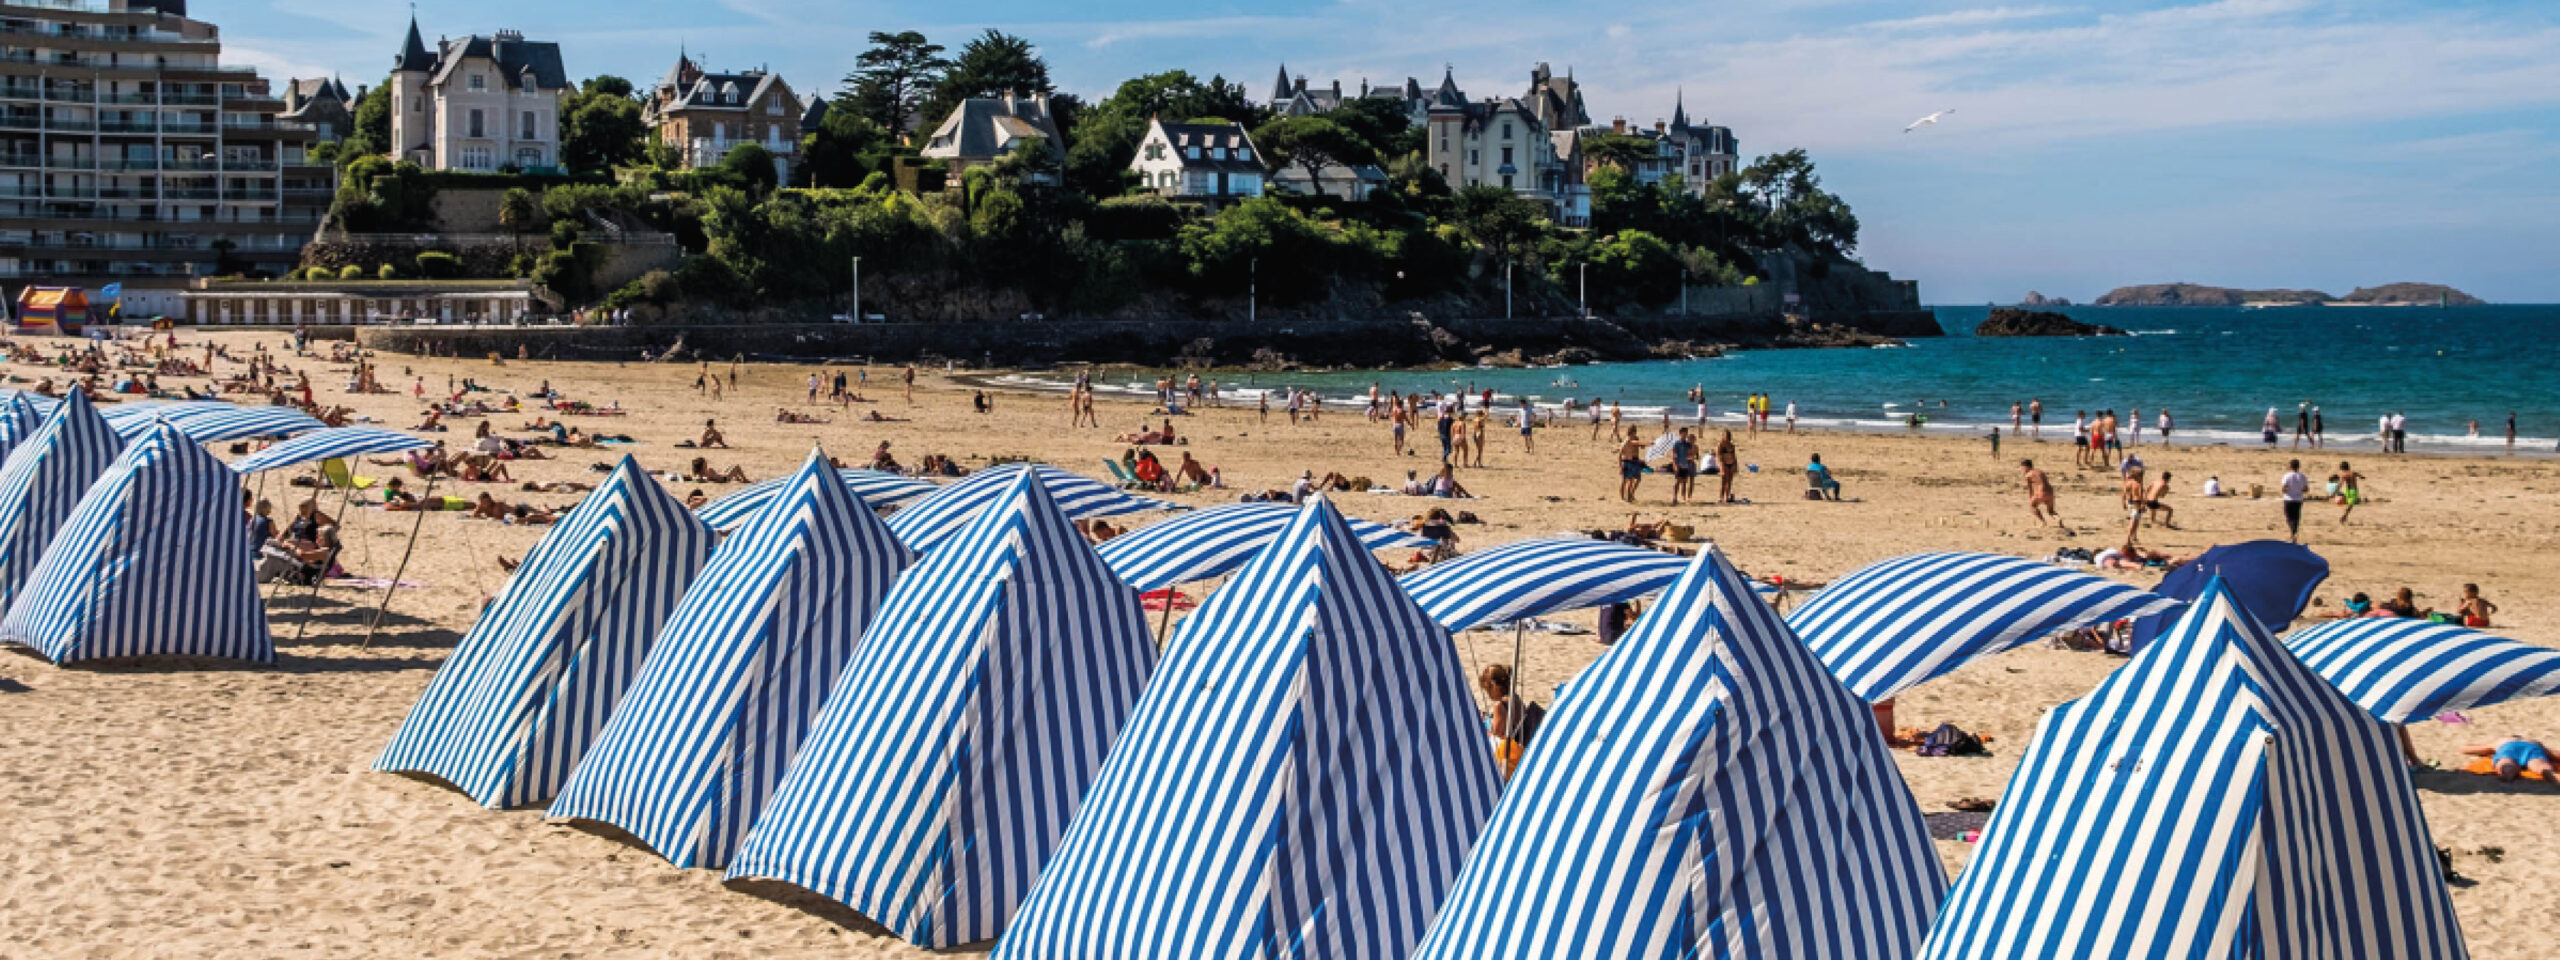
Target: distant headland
[2199, 295]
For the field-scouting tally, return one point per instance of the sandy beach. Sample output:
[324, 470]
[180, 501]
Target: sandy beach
[218, 810]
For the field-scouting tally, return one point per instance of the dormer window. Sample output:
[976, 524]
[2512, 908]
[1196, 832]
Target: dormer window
[1244, 153]
[479, 82]
[1191, 152]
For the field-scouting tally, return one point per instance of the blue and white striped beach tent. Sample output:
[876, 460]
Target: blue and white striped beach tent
[153, 561]
[926, 522]
[527, 690]
[1537, 577]
[2212, 798]
[694, 749]
[1708, 791]
[1201, 544]
[44, 405]
[1894, 625]
[18, 421]
[211, 421]
[950, 758]
[2402, 670]
[328, 444]
[1301, 778]
[883, 491]
[44, 478]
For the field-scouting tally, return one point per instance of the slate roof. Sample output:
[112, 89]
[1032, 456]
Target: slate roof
[971, 131]
[524, 64]
[1209, 136]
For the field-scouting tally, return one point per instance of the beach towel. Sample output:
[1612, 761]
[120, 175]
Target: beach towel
[2489, 768]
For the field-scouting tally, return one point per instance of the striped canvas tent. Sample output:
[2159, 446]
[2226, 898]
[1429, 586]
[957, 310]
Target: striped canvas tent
[2212, 798]
[1301, 778]
[44, 478]
[18, 421]
[1708, 790]
[216, 422]
[154, 561]
[1205, 543]
[926, 522]
[526, 691]
[44, 405]
[330, 444]
[1538, 577]
[881, 490]
[1897, 624]
[946, 765]
[695, 747]
[2401, 670]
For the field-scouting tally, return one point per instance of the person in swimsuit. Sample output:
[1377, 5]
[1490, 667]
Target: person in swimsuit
[1727, 464]
[2514, 757]
[1630, 468]
[2475, 609]
[2040, 495]
[2156, 501]
[2350, 491]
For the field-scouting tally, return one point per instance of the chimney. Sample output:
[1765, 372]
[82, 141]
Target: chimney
[1661, 126]
[1618, 125]
[1302, 85]
[1337, 90]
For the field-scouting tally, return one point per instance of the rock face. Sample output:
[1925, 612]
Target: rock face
[2013, 322]
[2198, 295]
[2035, 299]
[2414, 294]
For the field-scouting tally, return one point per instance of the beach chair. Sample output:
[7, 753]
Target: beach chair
[335, 471]
[1120, 472]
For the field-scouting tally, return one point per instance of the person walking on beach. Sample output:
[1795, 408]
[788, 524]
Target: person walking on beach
[2295, 488]
[2035, 418]
[2319, 429]
[1528, 426]
[2511, 431]
[2040, 496]
[2017, 413]
[1630, 468]
[2350, 491]
[1447, 421]
[2301, 424]
[2165, 424]
[2158, 502]
[1728, 463]
[910, 379]
[1684, 469]
[1791, 418]
[1265, 409]
[2136, 504]
[1617, 421]
[1397, 422]
[2399, 432]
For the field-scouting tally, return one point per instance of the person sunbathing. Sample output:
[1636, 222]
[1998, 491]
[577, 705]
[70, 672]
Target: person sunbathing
[481, 468]
[2513, 757]
[702, 472]
[712, 437]
[434, 421]
[395, 496]
[2404, 604]
[696, 500]
[875, 417]
[528, 516]
[781, 415]
[556, 486]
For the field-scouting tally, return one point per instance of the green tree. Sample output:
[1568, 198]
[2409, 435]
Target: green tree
[843, 151]
[1310, 144]
[372, 133]
[1497, 219]
[1381, 123]
[1787, 194]
[1619, 150]
[600, 126]
[992, 64]
[892, 79]
[516, 211]
[751, 163]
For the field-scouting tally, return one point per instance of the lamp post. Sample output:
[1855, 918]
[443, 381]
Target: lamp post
[857, 289]
[1506, 289]
[1582, 287]
[1252, 289]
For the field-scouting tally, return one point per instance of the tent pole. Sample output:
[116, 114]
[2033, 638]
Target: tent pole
[405, 553]
[1165, 628]
[312, 599]
[1519, 637]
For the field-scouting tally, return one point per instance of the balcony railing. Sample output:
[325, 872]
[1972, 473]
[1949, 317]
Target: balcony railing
[174, 99]
[204, 129]
[21, 123]
[21, 93]
[249, 195]
[128, 126]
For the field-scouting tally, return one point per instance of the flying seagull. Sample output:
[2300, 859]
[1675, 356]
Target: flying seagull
[1930, 120]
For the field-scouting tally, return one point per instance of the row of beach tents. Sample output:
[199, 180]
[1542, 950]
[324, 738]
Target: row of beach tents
[957, 721]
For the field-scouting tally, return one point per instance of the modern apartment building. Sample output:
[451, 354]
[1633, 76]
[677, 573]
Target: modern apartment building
[129, 153]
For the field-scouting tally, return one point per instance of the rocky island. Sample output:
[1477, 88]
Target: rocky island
[2014, 322]
[2199, 295]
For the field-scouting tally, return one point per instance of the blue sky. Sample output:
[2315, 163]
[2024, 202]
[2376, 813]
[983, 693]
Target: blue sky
[2236, 142]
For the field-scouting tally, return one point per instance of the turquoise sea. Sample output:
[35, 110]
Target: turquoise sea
[2217, 370]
